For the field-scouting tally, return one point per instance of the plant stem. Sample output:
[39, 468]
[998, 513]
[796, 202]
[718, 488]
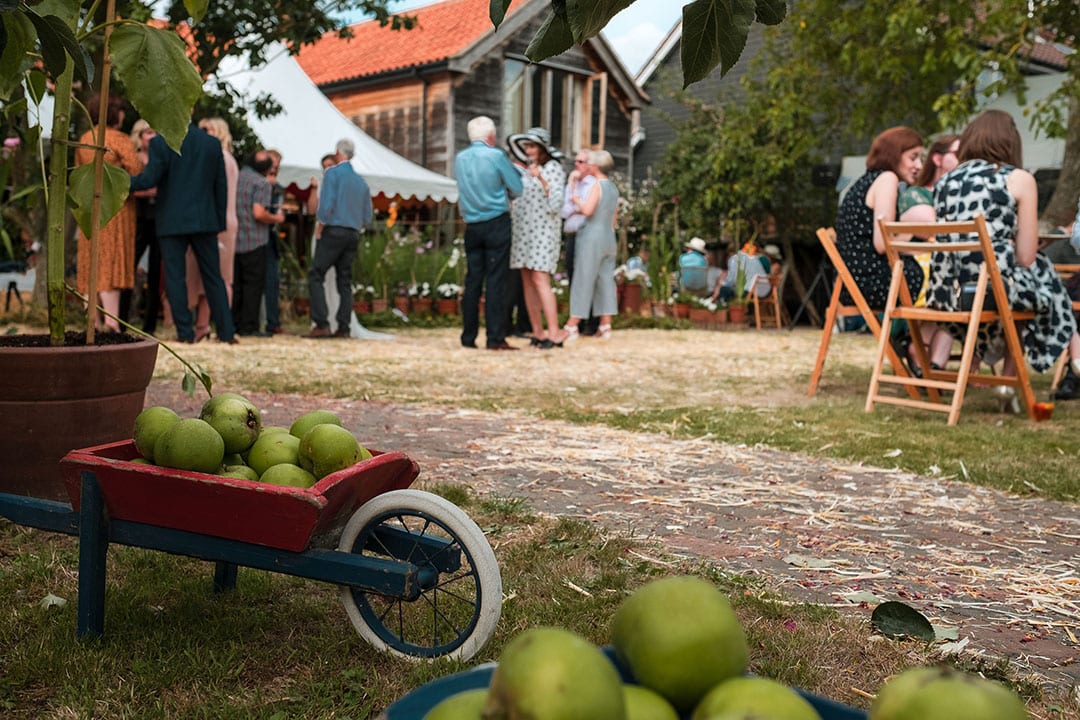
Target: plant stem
[57, 207]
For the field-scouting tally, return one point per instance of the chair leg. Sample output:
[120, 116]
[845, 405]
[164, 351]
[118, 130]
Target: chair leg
[826, 337]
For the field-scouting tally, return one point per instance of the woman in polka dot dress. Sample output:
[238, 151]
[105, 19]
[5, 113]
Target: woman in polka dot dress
[895, 155]
[990, 182]
[537, 231]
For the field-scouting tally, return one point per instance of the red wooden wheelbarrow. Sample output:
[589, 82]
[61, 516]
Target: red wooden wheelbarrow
[417, 575]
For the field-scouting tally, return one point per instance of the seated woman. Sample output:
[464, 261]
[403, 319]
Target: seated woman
[895, 155]
[989, 181]
[916, 204]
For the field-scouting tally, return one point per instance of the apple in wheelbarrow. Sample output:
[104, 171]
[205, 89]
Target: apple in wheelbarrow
[327, 448]
[945, 693]
[235, 418]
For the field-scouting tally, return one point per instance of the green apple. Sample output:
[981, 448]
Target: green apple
[289, 475]
[326, 448]
[679, 637]
[149, 425]
[945, 693]
[272, 449]
[467, 705]
[235, 418]
[309, 420]
[190, 444]
[753, 698]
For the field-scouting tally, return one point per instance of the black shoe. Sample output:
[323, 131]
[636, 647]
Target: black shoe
[470, 345]
[520, 334]
[901, 345]
[1068, 389]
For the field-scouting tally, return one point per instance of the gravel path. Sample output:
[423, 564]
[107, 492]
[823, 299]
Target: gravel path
[1002, 571]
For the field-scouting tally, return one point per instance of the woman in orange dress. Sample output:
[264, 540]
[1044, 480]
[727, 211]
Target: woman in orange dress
[116, 241]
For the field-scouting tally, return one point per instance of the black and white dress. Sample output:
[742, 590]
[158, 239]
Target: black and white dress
[537, 224]
[978, 187]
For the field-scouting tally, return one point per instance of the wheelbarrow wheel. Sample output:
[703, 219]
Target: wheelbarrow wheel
[460, 590]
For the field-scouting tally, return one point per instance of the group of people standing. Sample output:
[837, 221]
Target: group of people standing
[209, 228]
[516, 214]
[978, 173]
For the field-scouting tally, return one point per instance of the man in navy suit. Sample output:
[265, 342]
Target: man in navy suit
[191, 203]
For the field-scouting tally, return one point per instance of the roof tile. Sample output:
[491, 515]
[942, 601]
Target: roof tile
[443, 30]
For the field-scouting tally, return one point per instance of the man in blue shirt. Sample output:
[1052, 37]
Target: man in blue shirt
[344, 211]
[486, 182]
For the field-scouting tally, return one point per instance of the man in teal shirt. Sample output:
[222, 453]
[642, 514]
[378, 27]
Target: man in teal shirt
[486, 182]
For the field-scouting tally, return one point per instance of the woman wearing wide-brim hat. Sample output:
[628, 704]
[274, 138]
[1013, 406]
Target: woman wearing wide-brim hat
[537, 228]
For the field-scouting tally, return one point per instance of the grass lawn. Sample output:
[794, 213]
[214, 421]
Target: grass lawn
[282, 647]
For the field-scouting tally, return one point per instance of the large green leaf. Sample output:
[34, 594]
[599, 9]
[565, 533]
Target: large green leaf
[771, 12]
[14, 59]
[159, 78]
[497, 11]
[553, 37]
[714, 33]
[588, 17]
[114, 191]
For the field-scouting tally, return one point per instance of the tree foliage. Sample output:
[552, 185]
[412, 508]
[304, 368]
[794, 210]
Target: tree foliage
[835, 74]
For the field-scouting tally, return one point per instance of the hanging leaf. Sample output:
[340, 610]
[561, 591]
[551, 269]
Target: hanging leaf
[58, 43]
[497, 11]
[553, 37]
[15, 58]
[159, 78]
[588, 17]
[897, 619]
[714, 33]
[771, 12]
[196, 9]
[114, 191]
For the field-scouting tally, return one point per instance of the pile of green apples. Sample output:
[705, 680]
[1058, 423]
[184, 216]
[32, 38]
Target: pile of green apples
[685, 647]
[228, 439]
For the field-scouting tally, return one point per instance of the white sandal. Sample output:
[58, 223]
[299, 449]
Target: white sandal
[571, 333]
[603, 332]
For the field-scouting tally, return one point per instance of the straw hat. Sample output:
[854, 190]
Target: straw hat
[697, 245]
[772, 251]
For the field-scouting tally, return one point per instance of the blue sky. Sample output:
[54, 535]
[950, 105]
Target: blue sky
[634, 33]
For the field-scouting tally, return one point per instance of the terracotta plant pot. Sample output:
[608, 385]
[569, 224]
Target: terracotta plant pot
[362, 307]
[631, 298]
[379, 305]
[54, 400]
[447, 306]
[737, 314]
[421, 306]
[401, 302]
[682, 310]
[661, 309]
[720, 317]
[302, 306]
[702, 317]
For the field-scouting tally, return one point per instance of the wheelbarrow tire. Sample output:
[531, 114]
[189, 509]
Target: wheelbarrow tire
[458, 607]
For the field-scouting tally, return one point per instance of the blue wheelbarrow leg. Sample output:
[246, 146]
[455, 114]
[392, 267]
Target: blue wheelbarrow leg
[93, 547]
[224, 576]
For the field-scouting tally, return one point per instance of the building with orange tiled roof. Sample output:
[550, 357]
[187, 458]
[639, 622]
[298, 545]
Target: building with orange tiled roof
[415, 90]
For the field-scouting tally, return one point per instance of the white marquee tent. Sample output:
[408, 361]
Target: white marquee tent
[309, 126]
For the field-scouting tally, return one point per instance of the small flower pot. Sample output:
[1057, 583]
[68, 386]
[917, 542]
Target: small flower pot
[661, 309]
[447, 306]
[630, 294]
[682, 310]
[720, 317]
[737, 314]
[401, 302]
[362, 307]
[422, 306]
[702, 317]
[379, 305]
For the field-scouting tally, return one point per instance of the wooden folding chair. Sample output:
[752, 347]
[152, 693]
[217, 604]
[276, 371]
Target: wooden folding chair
[769, 309]
[899, 306]
[837, 309]
[1065, 271]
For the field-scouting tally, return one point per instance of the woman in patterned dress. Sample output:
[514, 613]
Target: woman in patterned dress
[895, 155]
[116, 240]
[990, 182]
[537, 231]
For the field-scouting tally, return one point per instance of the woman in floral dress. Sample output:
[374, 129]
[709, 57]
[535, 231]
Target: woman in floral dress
[990, 182]
[116, 240]
[537, 231]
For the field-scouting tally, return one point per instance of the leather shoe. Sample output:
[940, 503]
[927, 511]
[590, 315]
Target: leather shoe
[342, 333]
[278, 331]
[469, 345]
[1068, 388]
[501, 346]
[230, 341]
[319, 332]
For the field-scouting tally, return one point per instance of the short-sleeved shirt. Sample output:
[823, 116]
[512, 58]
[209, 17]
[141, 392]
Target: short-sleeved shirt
[251, 188]
[693, 271]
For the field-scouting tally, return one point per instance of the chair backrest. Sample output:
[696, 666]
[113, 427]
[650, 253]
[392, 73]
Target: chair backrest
[951, 237]
[827, 236]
